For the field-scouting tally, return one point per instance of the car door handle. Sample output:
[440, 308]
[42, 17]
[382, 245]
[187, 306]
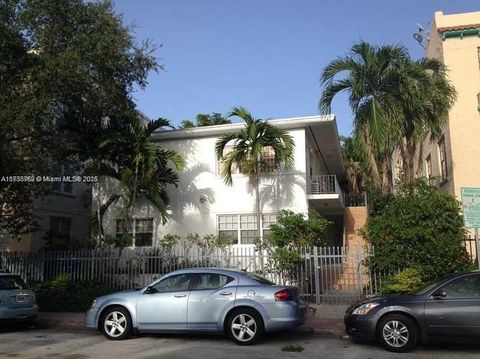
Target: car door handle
[180, 295]
[226, 293]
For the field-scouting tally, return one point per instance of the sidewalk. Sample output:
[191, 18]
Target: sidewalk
[74, 321]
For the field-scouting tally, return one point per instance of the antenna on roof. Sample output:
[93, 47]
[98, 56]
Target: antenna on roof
[420, 37]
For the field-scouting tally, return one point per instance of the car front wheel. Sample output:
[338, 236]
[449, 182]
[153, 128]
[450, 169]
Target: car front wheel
[245, 326]
[116, 323]
[397, 333]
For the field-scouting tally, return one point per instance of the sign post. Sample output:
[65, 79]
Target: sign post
[471, 213]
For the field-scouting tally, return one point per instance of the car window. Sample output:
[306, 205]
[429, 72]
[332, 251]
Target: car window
[260, 279]
[174, 283]
[464, 287]
[211, 281]
[9, 282]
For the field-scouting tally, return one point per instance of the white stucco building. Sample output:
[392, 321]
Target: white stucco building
[204, 204]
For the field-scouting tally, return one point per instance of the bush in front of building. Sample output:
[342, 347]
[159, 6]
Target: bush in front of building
[292, 233]
[420, 227]
[63, 295]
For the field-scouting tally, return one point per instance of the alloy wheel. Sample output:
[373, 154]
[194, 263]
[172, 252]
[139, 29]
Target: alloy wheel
[244, 327]
[115, 324]
[395, 333]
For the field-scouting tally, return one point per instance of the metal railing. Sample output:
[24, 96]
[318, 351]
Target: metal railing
[324, 184]
[355, 199]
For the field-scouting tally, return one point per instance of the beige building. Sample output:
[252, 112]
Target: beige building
[454, 157]
[65, 214]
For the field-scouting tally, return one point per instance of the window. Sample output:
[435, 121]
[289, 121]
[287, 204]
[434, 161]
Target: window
[228, 227]
[175, 283]
[268, 159]
[211, 281]
[478, 56]
[428, 167]
[248, 229]
[63, 187]
[11, 282]
[267, 221]
[243, 228]
[443, 158]
[61, 226]
[465, 287]
[142, 234]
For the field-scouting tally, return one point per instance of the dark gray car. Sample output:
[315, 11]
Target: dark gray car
[446, 307]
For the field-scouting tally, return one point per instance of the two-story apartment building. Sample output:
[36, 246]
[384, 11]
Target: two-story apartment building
[204, 204]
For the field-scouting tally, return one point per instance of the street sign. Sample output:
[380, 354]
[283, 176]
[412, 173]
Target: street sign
[471, 207]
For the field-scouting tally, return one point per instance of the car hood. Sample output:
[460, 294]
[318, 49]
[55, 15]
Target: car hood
[386, 300]
[121, 294]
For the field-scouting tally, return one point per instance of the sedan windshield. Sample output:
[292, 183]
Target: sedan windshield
[260, 279]
[9, 282]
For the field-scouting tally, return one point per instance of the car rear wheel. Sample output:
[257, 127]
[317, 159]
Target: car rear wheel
[116, 323]
[245, 326]
[397, 333]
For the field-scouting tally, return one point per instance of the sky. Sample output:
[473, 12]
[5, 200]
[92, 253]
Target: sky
[264, 55]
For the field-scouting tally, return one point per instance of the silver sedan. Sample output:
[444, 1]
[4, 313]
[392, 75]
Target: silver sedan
[241, 304]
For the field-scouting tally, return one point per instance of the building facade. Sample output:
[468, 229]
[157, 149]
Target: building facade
[64, 214]
[452, 158]
[204, 204]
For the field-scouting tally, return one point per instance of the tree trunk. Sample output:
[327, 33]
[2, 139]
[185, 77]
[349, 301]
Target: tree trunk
[99, 215]
[386, 186]
[377, 181]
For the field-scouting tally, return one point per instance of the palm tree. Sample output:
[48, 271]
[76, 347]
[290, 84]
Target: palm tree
[142, 168]
[426, 96]
[247, 149]
[396, 102]
[124, 154]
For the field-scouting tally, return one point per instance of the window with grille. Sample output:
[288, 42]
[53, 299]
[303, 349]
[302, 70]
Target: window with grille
[268, 159]
[267, 221]
[443, 158]
[243, 228]
[142, 231]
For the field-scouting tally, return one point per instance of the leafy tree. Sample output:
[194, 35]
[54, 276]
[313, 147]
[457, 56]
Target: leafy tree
[396, 103]
[65, 67]
[292, 233]
[420, 228]
[206, 120]
[248, 147]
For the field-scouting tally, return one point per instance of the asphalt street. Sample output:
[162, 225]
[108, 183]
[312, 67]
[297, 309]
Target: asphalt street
[80, 344]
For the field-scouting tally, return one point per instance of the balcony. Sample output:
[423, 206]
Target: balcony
[324, 194]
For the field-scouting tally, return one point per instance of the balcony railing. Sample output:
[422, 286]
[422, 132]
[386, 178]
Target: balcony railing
[324, 184]
[355, 199]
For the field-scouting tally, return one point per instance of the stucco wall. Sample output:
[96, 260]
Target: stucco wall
[202, 194]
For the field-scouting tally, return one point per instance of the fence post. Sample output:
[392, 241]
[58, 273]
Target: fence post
[317, 278]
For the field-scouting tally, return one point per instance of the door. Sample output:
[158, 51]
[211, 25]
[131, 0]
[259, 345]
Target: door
[211, 295]
[456, 312]
[164, 306]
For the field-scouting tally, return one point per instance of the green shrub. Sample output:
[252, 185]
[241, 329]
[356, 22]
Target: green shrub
[420, 227]
[403, 282]
[63, 295]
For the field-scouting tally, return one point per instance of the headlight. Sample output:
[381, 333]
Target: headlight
[94, 304]
[364, 309]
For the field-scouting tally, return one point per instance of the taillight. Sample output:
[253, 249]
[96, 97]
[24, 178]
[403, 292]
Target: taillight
[283, 295]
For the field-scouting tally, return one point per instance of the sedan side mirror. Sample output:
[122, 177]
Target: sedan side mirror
[442, 293]
[150, 290]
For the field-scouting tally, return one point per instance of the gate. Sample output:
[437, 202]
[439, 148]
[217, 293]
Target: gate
[341, 276]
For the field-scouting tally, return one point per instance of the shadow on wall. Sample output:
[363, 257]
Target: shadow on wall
[279, 191]
[188, 195]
